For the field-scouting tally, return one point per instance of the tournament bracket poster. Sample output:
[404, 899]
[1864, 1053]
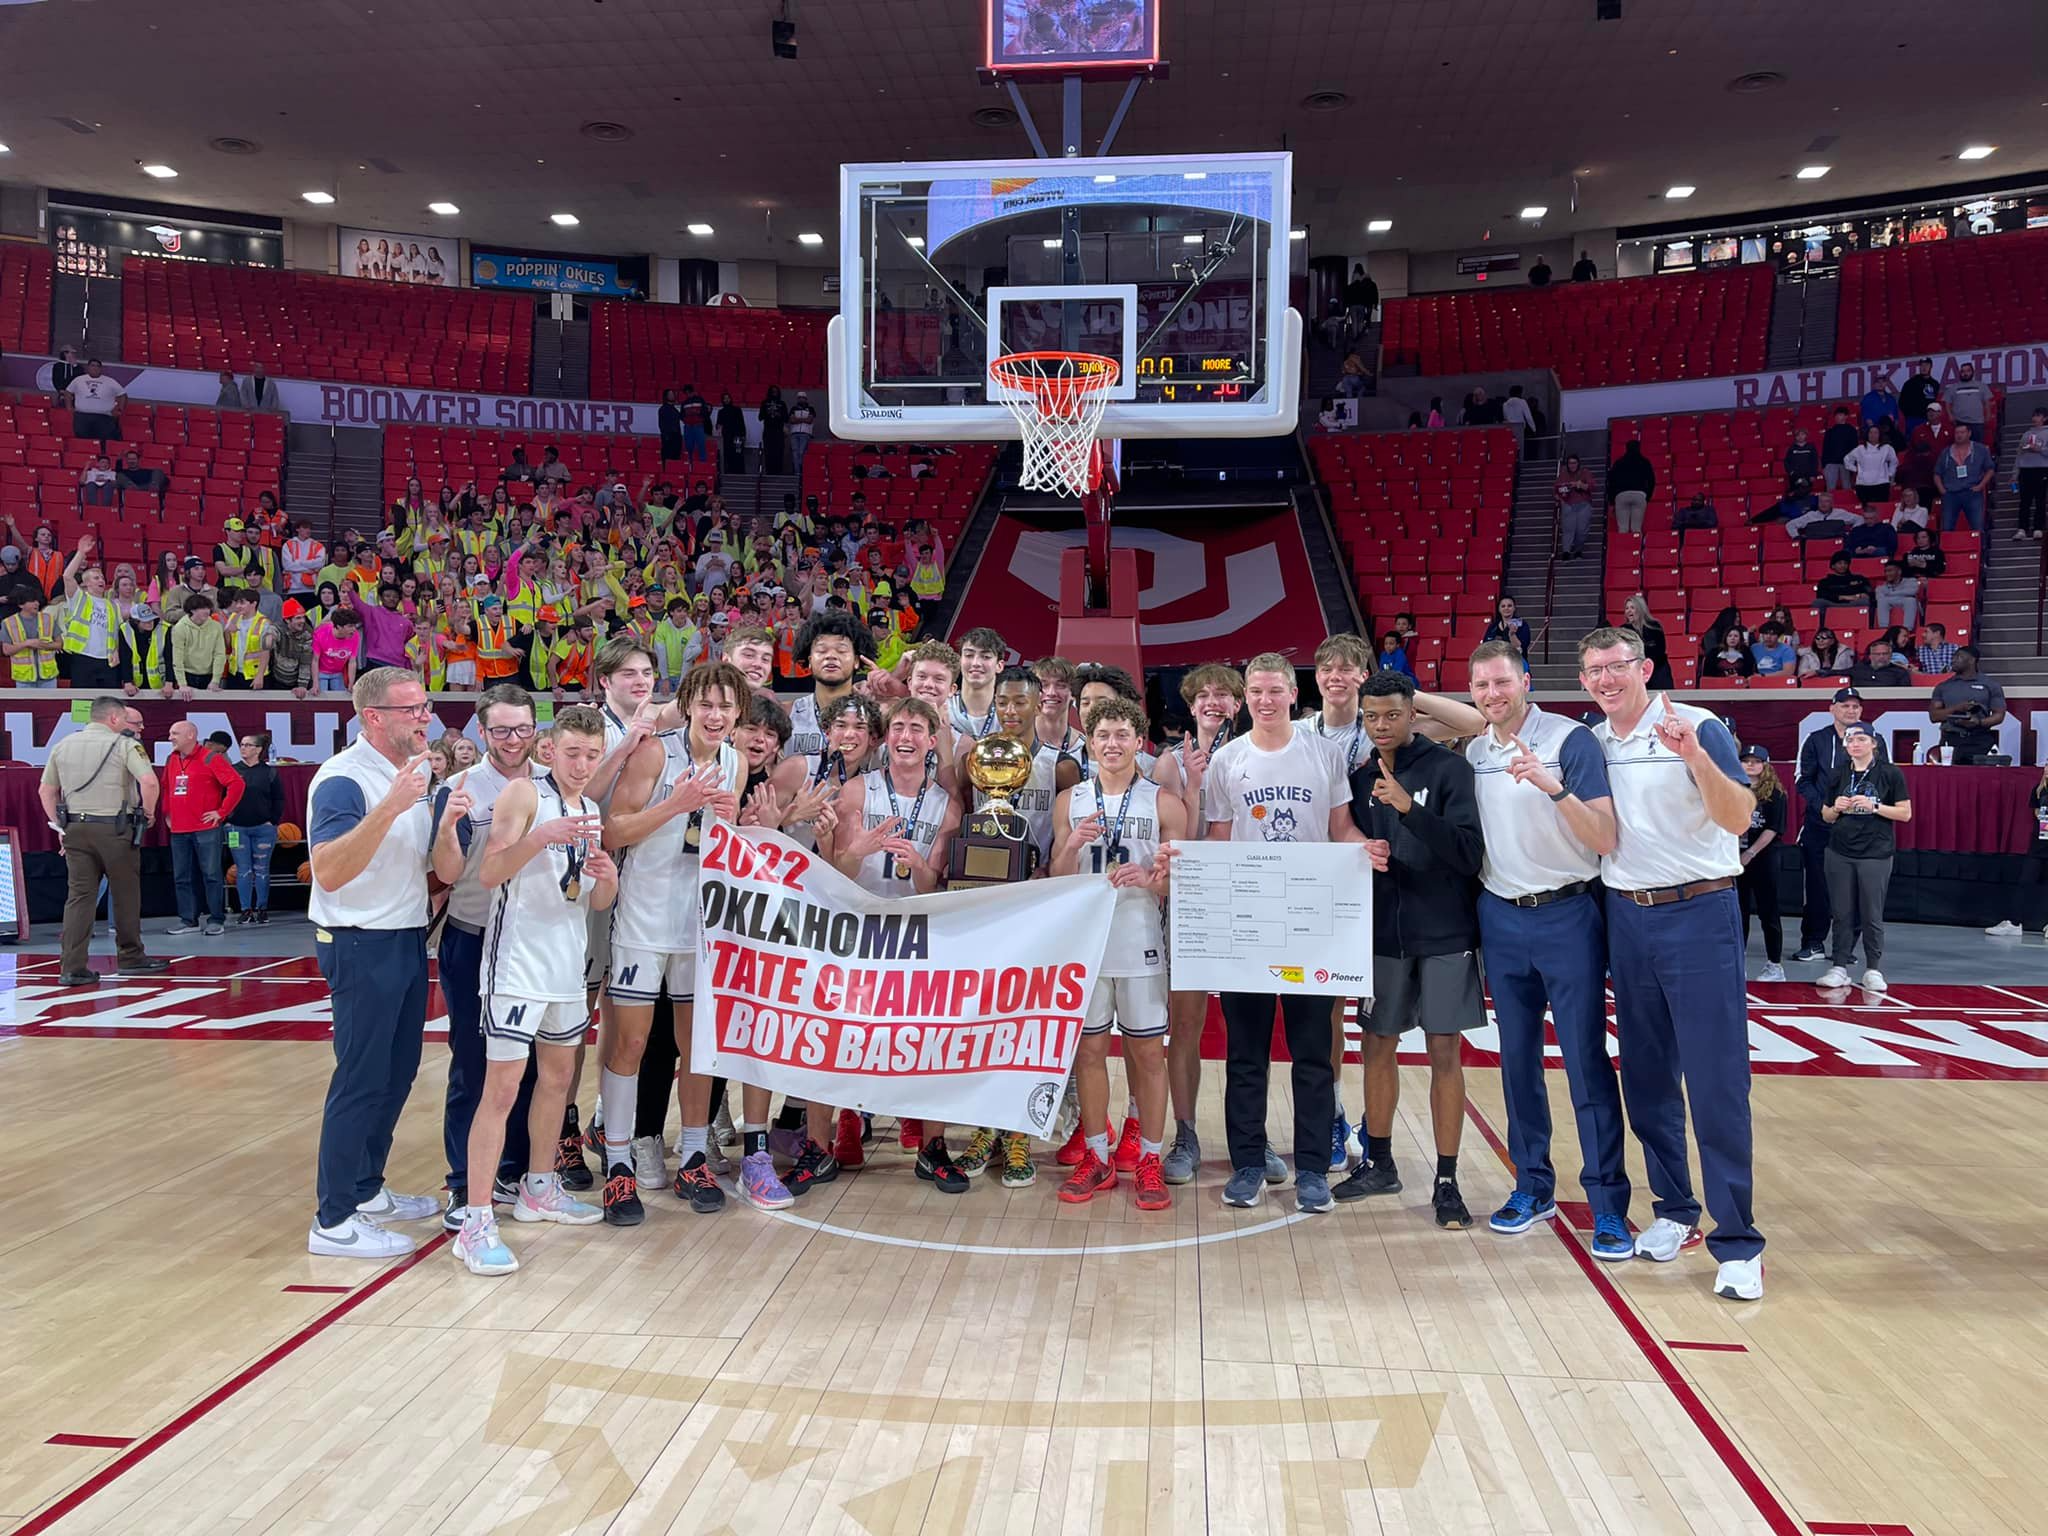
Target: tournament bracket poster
[963, 1007]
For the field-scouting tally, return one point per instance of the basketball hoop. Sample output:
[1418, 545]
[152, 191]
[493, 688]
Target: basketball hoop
[1058, 399]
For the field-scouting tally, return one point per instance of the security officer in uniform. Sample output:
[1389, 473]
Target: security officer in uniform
[86, 794]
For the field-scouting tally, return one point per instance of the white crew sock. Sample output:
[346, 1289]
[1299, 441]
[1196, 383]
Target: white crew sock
[1099, 1145]
[539, 1183]
[1148, 1148]
[695, 1141]
[618, 1094]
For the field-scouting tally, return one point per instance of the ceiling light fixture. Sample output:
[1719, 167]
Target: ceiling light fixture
[810, 238]
[566, 220]
[4, 150]
[1378, 226]
[1535, 211]
[1813, 172]
[1679, 191]
[1190, 239]
[698, 229]
[160, 172]
[318, 199]
[1297, 234]
[444, 209]
[1976, 152]
[1194, 175]
[915, 242]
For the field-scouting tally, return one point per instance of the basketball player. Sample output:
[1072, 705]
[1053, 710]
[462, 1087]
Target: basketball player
[1113, 825]
[972, 711]
[1213, 694]
[1096, 682]
[933, 674]
[546, 870]
[1342, 662]
[1054, 728]
[670, 787]
[1277, 785]
[832, 645]
[1548, 816]
[504, 714]
[752, 650]
[893, 825]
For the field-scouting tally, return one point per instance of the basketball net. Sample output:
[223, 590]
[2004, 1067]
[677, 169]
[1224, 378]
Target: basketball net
[1058, 399]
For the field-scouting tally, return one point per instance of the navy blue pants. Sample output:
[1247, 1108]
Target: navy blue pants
[1555, 956]
[378, 978]
[1815, 917]
[1679, 1005]
[462, 959]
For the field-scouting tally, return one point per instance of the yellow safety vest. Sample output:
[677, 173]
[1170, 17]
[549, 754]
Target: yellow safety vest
[78, 627]
[928, 581]
[31, 666]
[522, 607]
[149, 659]
[540, 661]
[473, 541]
[430, 665]
[240, 560]
[670, 644]
[248, 639]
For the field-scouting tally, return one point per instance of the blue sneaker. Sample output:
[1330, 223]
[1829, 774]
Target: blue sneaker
[1521, 1213]
[1340, 1142]
[1611, 1240]
[1247, 1187]
[1312, 1193]
[1276, 1171]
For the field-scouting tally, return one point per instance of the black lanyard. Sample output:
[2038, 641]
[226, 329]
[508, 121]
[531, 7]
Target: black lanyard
[1113, 845]
[830, 763]
[576, 854]
[1350, 752]
[896, 810]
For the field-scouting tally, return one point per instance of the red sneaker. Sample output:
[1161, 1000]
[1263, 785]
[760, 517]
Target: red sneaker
[1127, 1149]
[1150, 1177]
[1088, 1180]
[846, 1147]
[911, 1134]
[1071, 1154]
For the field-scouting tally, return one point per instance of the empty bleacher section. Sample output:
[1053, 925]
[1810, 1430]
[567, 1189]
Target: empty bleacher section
[1631, 331]
[218, 462]
[25, 278]
[182, 314]
[456, 457]
[1945, 295]
[1735, 459]
[638, 350]
[1423, 519]
[945, 498]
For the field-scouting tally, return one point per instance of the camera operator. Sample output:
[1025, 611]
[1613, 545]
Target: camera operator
[85, 793]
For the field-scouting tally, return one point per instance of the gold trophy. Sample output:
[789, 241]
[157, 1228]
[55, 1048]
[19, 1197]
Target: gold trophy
[994, 847]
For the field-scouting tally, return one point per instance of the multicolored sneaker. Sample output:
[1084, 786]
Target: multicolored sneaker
[1127, 1152]
[1019, 1171]
[696, 1183]
[813, 1165]
[1150, 1178]
[480, 1248]
[981, 1146]
[1089, 1179]
[575, 1171]
[622, 1207]
[846, 1140]
[759, 1186]
[552, 1203]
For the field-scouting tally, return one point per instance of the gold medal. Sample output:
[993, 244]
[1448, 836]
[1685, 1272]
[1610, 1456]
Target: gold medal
[573, 891]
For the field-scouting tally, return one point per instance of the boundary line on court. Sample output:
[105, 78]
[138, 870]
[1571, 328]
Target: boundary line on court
[142, 1449]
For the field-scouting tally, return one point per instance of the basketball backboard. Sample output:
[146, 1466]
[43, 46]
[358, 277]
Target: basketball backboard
[1175, 266]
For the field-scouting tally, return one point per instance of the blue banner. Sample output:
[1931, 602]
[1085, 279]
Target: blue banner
[547, 274]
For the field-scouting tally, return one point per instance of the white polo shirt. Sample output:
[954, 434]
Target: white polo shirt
[1529, 849]
[1664, 835]
[391, 891]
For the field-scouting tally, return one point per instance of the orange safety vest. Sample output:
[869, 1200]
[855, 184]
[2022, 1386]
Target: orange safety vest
[572, 665]
[495, 657]
[48, 570]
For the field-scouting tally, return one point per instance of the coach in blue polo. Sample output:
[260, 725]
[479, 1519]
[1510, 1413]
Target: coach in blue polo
[1674, 949]
[1548, 817]
[369, 826]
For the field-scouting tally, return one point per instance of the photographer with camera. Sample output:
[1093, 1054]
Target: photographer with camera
[1969, 707]
[86, 794]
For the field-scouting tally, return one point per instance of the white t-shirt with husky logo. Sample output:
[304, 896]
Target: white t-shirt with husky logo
[1282, 796]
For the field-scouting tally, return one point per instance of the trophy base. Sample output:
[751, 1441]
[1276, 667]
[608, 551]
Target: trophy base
[984, 855]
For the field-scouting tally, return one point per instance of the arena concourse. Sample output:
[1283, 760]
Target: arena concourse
[1029, 765]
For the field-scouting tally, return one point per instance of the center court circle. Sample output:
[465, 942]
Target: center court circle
[1078, 1250]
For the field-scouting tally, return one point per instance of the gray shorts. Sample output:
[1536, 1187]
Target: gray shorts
[1438, 994]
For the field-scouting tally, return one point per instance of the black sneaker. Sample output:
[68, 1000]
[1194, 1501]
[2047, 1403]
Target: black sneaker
[576, 1172]
[263, 920]
[451, 1214]
[622, 1207]
[935, 1166]
[696, 1183]
[1810, 952]
[1450, 1206]
[1369, 1179]
[813, 1165]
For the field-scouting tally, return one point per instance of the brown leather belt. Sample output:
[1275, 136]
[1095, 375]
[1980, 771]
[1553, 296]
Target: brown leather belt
[1664, 895]
[1545, 898]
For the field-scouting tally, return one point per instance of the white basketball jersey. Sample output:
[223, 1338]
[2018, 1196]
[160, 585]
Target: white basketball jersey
[534, 942]
[806, 735]
[1130, 821]
[879, 804]
[972, 727]
[1351, 740]
[657, 905]
[468, 902]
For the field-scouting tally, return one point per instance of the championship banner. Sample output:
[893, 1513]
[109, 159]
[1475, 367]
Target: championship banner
[962, 1007]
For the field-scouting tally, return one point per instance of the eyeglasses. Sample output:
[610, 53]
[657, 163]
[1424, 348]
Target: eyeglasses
[410, 711]
[508, 732]
[1613, 669]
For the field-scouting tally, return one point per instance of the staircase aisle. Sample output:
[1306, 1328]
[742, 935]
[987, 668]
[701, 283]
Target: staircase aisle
[1575, 606]
[2011, 583]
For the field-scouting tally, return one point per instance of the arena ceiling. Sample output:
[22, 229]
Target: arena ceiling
[1455, 114]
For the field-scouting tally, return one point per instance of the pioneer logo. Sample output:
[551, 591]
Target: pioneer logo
[1323, 976]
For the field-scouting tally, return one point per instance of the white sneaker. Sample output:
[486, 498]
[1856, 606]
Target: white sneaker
[553, 1203]
[359, 1237]
[481, 1249]
[1873, 981]
[1771, 973]
[648, 1165]
[1740, 1280]
[723, 1132]
[1833, 976]
[2005, 930]
[385, 1206]
[1663, 1240]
